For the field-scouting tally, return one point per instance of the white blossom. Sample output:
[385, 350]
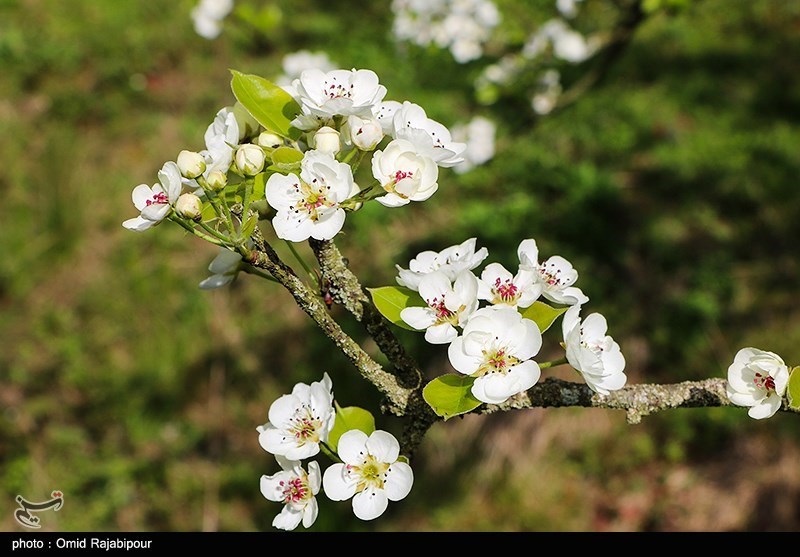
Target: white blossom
[223, 268]
[429, 137]
[250, 159]
[451, 261]
[566, 43]
[326, 139]
[189, 206]
[221, 138]
[548, 90]
[296, 489]
[499, 287]
[323, 95]
[300, 421]
[462, 26]
[758, 379]
[156, 203]
[592, 352]
[208, 15]
[555, 275]
[496, 348]
[384, 113]
[405, 174]
[191, 164]
[364, 133]
[295, 63]
[567, 8]
[478, 135]
[308, 206]
[371, 473]
[450, 304]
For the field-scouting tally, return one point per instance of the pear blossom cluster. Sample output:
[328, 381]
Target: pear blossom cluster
[757, 379]
[482, 318]
[462, 26]
[343, 120]
[554, 43]
[368, 468]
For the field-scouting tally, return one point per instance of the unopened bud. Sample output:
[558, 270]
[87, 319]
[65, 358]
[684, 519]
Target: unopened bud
[191, 164]
[268, 140]
[364, 133]
[217, 180]
[326, 140]
[189, 206]
[250, 159]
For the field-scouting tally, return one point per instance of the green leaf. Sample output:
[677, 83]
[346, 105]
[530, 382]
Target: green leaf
[793, 390]
[285, 160]
[391, 300]
[270, 105]
[450, 395]
[542, 314]
[259, 187]
[349, 418]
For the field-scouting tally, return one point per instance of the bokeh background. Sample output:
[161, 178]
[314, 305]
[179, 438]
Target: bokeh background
[672, 186]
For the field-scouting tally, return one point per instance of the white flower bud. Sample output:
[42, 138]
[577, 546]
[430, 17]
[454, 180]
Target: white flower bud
[250, 159]
[189, 206]
[216, 180]
[326, 140]
[269, 140]
[191, 164]
[364, 133]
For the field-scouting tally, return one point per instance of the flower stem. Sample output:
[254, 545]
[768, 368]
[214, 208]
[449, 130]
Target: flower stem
[330, 453]
[301, 260]
[545, 365]
[249, 269]
[215, 238]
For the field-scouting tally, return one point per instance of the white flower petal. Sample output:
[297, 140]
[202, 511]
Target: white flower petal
[310, 512]
[399, 480]
[766, 409]
[462, 362]
[337, 486]
[353, 446]
[444, 333]
[370, 503]
[417, 317]
[383, 446]
[138, 224]
[287, 519]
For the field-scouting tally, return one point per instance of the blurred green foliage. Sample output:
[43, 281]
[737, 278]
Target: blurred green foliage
[671, 186]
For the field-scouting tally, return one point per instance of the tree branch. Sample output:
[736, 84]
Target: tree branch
[348, 291]
[637, 400]
[264, 257]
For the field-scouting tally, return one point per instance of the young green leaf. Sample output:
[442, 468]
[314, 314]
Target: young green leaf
[259, 187]
[391, 300]
[450, 395]
[270, 105]
[793, 390]
[542, 314]
[349, 418]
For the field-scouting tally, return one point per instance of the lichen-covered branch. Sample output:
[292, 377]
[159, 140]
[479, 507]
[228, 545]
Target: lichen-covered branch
[264, 257]
[347, 290]
[637, 400]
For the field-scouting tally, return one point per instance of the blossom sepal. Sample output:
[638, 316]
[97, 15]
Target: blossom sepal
[451, 395]
[391, 300]
[267, 103]
[350, 417]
